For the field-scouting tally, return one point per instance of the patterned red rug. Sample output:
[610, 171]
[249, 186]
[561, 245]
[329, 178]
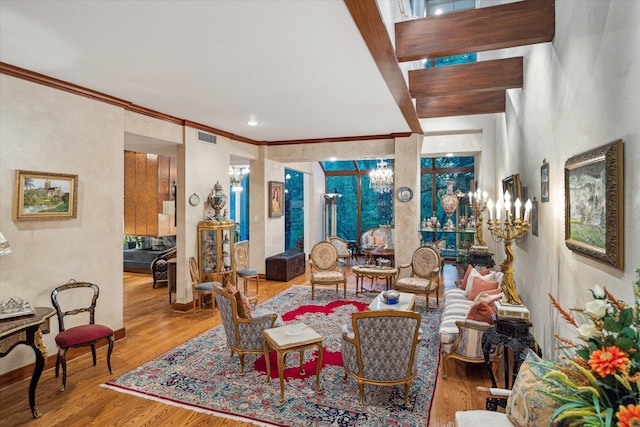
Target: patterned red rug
[199, 375]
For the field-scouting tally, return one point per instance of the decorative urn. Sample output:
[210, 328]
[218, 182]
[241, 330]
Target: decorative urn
[217, 200]
[449, 200]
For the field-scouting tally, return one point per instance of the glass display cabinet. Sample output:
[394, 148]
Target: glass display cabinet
[215, 250]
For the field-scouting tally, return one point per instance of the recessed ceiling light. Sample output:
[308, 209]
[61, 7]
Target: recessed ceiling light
[332, 159]
[449, 155]
[252, 123]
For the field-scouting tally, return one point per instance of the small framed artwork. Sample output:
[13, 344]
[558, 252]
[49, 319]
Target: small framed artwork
[594, 203]
[513, 186]
[43, 196]
[544, 181]
[276, 199]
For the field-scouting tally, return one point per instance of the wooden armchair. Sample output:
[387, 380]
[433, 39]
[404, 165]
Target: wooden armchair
[342, 247]
[425, 273]
[243, 330]
[160, 266]
[381, 348]
[324, 267]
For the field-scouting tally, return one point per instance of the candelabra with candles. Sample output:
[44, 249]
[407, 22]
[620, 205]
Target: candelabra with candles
[513, 227]
[477, 208]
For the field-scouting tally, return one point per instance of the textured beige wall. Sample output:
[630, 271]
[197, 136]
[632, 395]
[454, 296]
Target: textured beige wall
[43, 129]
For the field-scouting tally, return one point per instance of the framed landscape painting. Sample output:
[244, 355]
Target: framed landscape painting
[594, 203]
[43, 196]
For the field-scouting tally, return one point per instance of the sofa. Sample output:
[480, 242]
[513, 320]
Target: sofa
[375, 237]
[467, 315]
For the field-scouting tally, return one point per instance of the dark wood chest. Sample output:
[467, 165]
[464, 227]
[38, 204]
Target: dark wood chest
[285, 266]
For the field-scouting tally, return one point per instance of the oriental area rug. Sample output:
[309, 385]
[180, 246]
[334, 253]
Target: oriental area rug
[199, 374]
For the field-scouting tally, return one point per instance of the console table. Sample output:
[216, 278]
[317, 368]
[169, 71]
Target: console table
[28, 330]
[285, 266]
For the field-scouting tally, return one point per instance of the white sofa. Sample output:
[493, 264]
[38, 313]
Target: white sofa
[460, 338]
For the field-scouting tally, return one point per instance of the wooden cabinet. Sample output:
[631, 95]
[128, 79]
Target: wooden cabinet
[147, 183]
[215, 249]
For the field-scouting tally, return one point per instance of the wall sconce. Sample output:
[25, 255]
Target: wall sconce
[5, 247]
[236, 175]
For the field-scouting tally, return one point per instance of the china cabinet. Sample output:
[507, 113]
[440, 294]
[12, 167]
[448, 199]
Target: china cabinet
[215, 249]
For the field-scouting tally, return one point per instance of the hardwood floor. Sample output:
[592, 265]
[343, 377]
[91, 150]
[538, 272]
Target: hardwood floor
[152, 328]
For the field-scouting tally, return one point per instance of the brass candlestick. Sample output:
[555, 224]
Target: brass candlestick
[507, 231]
[478, 206]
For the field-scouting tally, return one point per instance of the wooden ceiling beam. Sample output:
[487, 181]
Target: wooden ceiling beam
[484, 76]
[367, 17]
[461, 104]
[488, 28]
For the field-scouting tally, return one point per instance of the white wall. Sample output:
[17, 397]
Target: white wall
[47, 130]
[580, 92]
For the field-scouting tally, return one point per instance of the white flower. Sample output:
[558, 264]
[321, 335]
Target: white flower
[588, 331]
[598, 292]
[596, 309]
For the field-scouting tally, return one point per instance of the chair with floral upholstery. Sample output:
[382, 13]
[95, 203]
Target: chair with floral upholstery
[381, 348]
[344, 253]
[243, 325]
[324, 267]
[425, 273]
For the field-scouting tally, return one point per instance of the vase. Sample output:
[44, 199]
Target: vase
[217, 200]
[449, 200]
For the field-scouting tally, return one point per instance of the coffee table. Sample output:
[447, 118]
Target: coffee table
[373, 272]
[405, 303]
[283, 340]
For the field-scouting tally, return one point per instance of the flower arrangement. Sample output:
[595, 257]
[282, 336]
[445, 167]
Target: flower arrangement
[596, 381]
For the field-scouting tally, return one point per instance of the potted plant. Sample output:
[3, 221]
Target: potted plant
[132, 242]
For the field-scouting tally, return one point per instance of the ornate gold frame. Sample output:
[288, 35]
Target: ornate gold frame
[275, 199]
[603, 169]
[31, 186]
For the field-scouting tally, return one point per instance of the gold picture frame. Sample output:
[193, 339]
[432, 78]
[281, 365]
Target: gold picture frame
[594, 203]
[276, 199]
[44, 196]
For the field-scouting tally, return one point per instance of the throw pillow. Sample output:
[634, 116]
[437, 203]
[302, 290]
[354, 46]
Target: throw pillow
[463, 284]
[378, 240]
[481, 312]
[481, 285]
[526, 406]
[489, 296]
[247, 307]
[240, 307]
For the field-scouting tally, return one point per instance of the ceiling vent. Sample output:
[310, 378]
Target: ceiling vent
[207, 137]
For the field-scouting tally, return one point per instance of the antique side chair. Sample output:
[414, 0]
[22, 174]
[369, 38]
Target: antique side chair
[324, 267]
[199, 288]
[81, 335]
[243, 271]
[425, 273]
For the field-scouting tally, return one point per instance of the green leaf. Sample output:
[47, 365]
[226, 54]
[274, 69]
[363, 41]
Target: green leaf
[628, 332]
[626, 317]
[624, 343]
[611, 325]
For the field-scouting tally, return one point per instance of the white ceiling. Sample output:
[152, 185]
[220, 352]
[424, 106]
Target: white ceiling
[300, 68]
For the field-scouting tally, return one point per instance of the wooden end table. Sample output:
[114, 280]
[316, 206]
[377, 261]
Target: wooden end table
[284, 341]
[373, 272]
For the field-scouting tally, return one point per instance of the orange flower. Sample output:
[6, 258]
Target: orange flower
[608, 361]
[628, 416]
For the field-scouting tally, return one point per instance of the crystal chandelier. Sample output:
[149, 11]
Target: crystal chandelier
[381, 178]
[236, 175]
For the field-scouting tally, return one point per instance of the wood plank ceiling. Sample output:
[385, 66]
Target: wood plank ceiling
[472, 88]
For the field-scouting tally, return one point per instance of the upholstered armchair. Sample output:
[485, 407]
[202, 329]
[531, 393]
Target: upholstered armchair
[342, 247]
[381, 348]
[468, 346]
[160, 266]
[425, 273]
[243, 328]
[324, 267]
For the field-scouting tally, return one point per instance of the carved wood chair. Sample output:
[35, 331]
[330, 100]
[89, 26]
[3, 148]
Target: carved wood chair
[425, 273]
[82, 335]
[381, 348]
[199, 288]
[242, 269]
[342, 247]
[244, 334]
[324, 267]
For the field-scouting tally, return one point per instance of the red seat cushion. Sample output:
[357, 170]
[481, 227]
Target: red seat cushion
[82, 334]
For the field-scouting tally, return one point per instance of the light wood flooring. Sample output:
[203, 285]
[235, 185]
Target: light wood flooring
[152, 328]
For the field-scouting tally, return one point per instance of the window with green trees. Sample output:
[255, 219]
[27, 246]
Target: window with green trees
[293, 210]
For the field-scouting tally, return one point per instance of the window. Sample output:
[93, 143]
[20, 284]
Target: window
[239, 210]
[293, 210]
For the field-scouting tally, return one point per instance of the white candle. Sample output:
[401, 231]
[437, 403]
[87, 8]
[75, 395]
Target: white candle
[527, 210]
[517, 204]
[484, 195]
[498, 209]
[490, 209]
[470, 198]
